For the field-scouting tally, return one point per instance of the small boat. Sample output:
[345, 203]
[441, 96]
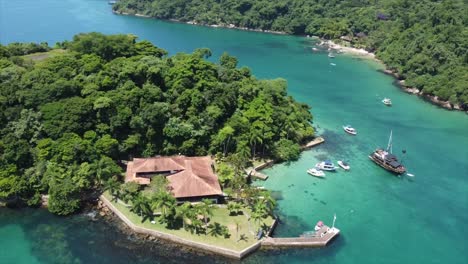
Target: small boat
[316, 172]
[385, 159]
[387, 102]
[330, 55]
[410, 175]
[332, 64]
[326, 166]
[318, 226]
[343, 164]
[314, 49]
[349, 130]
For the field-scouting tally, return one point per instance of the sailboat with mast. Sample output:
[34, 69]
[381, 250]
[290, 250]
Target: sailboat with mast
[385, 158]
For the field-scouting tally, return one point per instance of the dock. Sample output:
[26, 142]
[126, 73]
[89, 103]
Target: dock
[321, 238]
[254, 173]
[315, 142]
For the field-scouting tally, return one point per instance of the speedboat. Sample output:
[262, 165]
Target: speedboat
[343, 164]
[316, 172]
[326, 166]
[349, 130]
[330, 55]
[387, 101]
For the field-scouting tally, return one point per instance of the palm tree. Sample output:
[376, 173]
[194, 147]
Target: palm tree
[185, 212]
[257, 216]
[253, 140]
[234, 208]
[205, 209]
[113, 187]
[140, 205]
[163, 201]
[236, 222]
[269, 201]
[215, 229]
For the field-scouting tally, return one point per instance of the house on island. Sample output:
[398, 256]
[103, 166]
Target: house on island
[190, 178]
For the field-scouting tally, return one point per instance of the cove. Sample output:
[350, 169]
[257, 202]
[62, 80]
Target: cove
[383, 219]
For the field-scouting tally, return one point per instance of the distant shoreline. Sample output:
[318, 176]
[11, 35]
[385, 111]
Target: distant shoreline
[345, 49]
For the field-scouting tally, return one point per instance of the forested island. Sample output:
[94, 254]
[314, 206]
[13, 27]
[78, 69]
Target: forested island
[71, 114]
[424, 43]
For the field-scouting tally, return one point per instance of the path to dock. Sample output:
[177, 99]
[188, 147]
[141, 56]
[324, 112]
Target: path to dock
[323, 236]
[315, 142]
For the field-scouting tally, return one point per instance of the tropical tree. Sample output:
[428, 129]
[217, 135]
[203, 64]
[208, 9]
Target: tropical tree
[186, 213]
[268, 201]
[216, 229]
[129, 190]
[205, 209]
[165, 202]
[257, 215]
[141, 206]
[112, 185]
[234, 208]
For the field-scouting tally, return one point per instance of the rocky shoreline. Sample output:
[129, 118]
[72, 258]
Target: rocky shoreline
[427, 97]
[230, 26]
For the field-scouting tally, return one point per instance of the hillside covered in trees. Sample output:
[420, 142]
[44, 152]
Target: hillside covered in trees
[425, 42]
[70, 114]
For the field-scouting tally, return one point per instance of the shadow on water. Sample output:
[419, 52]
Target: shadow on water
[337, 142]
[277, 195]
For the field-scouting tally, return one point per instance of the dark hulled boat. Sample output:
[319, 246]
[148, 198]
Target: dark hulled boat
[386, 160]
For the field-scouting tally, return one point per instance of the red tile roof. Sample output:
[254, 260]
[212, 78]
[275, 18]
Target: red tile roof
[189, 176]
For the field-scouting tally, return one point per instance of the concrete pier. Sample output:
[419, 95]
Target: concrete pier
[321, 239]
[254, 173]
[315, 142]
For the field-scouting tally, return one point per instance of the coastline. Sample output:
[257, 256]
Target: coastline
[399, 81]
[333, 45]
[228, 26]
[208, 248]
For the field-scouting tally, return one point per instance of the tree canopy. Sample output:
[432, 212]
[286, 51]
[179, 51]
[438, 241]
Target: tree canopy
[425, 42]
[67, 120]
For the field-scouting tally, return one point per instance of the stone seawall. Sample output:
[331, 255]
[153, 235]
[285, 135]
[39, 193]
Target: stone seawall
[175, 239]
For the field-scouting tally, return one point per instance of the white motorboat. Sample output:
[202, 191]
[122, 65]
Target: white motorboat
[387, 101]
[343, 164]
[350, 130]
[330, 55]
[326, 166]
[316, 172]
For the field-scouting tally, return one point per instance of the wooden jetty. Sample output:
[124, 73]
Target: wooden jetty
[321, 238]
[315, 142]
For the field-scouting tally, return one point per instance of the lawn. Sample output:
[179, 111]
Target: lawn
[44, 55]
[220, 215]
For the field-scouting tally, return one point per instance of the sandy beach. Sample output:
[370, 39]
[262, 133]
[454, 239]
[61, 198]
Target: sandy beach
[349, 50]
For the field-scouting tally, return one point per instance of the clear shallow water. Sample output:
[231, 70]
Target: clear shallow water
[384, 219]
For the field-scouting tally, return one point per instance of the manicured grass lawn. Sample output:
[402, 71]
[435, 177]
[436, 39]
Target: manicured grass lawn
[44, 55]
[220, 215]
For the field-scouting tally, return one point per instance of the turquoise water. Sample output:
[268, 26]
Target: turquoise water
[383, 218]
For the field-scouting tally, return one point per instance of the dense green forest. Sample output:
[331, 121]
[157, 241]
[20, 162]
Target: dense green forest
[425, 42]
[69, 115]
